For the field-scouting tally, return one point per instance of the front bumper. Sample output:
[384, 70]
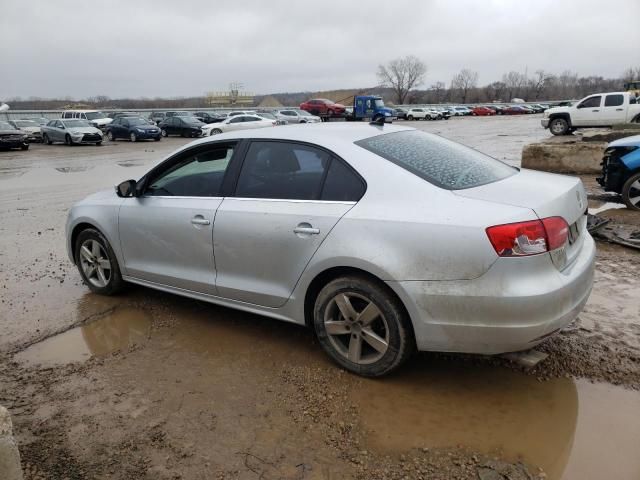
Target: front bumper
[544, 122]
[512, 307]
[13, 142]
[145, 135]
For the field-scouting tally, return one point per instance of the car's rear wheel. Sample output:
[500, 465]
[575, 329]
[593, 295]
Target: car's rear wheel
[559, 126]
[46, 139]
[362, 326]
[164, 133]
[133, 137]
[97, 263]
[631, 192]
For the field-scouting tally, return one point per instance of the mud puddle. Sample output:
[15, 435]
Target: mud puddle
[120, 329]
[572, 429]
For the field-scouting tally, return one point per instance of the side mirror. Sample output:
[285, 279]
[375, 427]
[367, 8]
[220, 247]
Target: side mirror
[126, 189]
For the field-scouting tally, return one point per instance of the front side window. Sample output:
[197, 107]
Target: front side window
[281, 170]
[591, 102]
[441, 162]
[195, 175]
[613, 100]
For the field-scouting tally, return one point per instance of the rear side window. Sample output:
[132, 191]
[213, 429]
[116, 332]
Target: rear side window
[342, 184]
[613, 100]
[441, 162]
[282, 171]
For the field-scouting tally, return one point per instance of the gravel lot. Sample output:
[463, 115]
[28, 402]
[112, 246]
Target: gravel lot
[147, 385]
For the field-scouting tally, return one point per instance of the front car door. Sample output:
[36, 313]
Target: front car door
[58, 131]
[285, 203]
[166, 233]
[588, 112]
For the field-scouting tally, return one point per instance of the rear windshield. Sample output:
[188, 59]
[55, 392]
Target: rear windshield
[439, 161]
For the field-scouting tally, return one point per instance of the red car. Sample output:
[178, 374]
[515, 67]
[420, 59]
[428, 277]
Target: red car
[322, 106]
[480, 111]
[514, 110]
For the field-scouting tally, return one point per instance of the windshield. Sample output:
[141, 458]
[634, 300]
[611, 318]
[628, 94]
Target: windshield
[379, 103]
[26, 123]
[6, 126]
[94, 115]
[75, 123]
[267, 115]
[133, 121]
[441, 162]
[304, 113]
[191, 120]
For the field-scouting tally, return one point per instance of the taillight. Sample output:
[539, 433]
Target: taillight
[528, 238]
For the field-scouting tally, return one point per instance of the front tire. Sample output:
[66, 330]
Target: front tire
[46, 139]
[110, 136]
[631, 192]
[67, 140]
[362, 326]
[97, 263]
[559, 126]
[410, 117]
[215, 131]
[24, 147]
[133, 137]
[164, 133]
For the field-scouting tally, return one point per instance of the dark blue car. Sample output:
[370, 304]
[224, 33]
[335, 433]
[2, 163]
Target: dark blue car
[621, 170]
[133, 128]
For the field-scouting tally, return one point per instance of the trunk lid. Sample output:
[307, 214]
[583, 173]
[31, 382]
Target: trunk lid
[548, 195]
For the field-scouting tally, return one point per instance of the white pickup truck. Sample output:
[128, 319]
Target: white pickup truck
[599, 110]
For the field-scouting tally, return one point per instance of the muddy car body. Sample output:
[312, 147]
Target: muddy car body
[621, 170]
[334, 226]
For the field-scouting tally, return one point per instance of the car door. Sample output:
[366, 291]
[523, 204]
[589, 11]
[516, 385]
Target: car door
[58, 132]
[613, 109]
[268, 229]
[588, 112]
[236, 123]
[116, 128]
[166, 233]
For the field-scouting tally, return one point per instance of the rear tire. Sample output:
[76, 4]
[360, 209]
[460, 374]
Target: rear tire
[92, 259]
[631, 192]
[362, 326]
[559, 126]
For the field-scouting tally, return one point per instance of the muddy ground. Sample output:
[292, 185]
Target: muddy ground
[147, 385]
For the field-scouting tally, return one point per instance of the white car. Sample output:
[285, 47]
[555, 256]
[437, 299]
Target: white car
[96, 118]
[241, 112]
[238, 122]
[416, 113]
[292, 115]
[29, 126]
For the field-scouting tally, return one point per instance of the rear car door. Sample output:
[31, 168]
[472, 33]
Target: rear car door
[268, 229]
[613, 109]
[166, 233]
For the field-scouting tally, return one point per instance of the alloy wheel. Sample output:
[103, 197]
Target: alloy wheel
[95, 263]
[356, 328]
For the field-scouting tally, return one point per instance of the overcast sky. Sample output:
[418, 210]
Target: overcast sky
[125, 48]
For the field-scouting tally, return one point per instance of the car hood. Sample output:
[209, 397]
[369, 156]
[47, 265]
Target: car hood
[145, 127]
[550, 111]
[547, 194]
[102, 121]
[31, 129]
[13, 132]
[633, 141]
[83, 130]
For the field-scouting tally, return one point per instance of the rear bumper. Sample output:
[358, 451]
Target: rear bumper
[512, 307]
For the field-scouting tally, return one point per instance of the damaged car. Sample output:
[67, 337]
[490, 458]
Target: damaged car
[621, 170]
[382, 239]
[11, 137]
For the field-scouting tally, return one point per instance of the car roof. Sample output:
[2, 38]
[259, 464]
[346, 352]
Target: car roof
[319, 133]
[633, 141]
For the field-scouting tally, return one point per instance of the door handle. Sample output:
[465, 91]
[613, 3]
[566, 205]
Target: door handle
[306, 229]
[595, 110]
[619, 109]
[200, 220]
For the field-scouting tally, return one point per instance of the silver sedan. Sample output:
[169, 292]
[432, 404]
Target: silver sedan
[383, 239]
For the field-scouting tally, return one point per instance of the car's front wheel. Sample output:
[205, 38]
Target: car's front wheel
[164, 133]
[46, 139]
[215, 131]
[362, 326]
[110, 136]
[631, 192]
[133, 137]
[97, 263]
[67, 140]
[559, 126]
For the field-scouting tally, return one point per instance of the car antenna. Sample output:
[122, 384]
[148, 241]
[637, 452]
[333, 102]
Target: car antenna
[378, 121]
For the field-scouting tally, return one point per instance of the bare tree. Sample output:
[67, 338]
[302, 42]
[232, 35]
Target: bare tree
[539, 82]
[438, 92]
[631, 74]
[514, 81]
[402, 75]
[463, 82]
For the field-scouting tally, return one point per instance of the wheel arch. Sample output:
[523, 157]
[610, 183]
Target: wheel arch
[564, 115]
[77, 229]
[324, 277]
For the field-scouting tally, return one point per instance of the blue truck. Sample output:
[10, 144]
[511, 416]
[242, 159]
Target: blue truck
[369, 107]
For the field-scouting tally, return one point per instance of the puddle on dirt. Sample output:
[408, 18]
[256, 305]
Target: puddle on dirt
[79, 169]
[117, 330]
[572, 429]
[130, 163]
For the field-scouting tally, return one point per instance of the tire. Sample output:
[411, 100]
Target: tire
[164, 133]
[215, 131]
[133, 137]
[156, 139]
[559, 126]
[110, 136]
[98, 144]
[46, 139]
[89, 263]
[329, 113]
[67, 140]
[24, 147]
[631, 191]
[410, 117]
[391, 326]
